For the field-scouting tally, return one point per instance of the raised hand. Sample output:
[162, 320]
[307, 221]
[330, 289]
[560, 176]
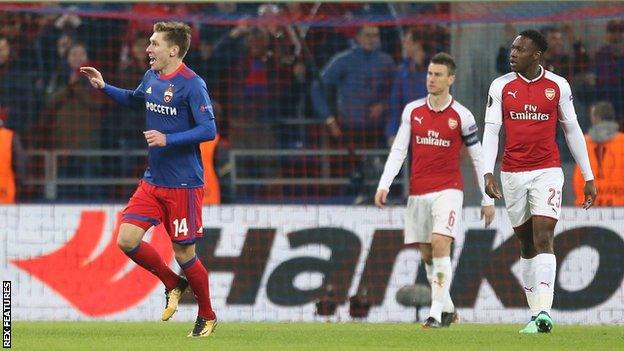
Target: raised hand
[94, 76]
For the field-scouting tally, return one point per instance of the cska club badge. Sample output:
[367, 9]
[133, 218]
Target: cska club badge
[550, 93]
[452, 123]
[169, 94]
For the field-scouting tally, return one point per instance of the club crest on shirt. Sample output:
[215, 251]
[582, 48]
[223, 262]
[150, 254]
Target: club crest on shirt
[169, 94]
[550, 93]
[452, 123]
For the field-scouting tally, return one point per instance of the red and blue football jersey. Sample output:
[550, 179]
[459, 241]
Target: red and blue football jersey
[178, 106]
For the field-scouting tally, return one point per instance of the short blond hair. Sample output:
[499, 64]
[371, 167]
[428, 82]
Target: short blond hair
[176, 33]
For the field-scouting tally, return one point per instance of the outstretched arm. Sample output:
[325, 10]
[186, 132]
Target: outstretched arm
[123, 97]
[94, 76]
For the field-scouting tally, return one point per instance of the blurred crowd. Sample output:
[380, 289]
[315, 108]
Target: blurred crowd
[280, 77]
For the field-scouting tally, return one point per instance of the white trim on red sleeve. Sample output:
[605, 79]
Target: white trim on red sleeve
[468, 122]
[398, 152]
[566, 105]
[494, 109]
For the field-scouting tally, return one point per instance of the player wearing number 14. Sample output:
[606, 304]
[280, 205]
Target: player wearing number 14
[437, 127]
[178, 117]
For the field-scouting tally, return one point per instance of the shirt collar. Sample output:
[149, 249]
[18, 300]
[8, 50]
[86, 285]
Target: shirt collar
[443, 108]
[539, 76]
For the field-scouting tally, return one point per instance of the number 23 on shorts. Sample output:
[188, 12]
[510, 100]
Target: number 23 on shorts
[554, 198]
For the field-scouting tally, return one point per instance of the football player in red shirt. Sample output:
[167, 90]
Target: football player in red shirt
[528, 102]
[437, 127]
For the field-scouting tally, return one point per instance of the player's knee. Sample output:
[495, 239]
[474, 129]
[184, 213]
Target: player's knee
[527, 249]
[425, 253]
[441, 245]
[426, 258]
[183, 253]
[543, 243]
[183, 257]
[126, 242]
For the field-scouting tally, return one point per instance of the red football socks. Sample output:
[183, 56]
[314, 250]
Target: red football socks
[147, 257]
[198, 280]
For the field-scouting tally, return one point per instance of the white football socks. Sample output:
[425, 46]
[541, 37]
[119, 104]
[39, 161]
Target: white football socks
[441, 277]
[449, 306]
[528, 283]
[545, 267]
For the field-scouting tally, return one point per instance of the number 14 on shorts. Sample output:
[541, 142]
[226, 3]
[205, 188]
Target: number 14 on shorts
[180, 227]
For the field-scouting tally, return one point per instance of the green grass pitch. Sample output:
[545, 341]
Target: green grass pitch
[154, 336]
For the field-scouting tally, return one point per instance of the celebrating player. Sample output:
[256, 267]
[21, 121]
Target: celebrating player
[436, 126]
[528, 102]
[178, 117]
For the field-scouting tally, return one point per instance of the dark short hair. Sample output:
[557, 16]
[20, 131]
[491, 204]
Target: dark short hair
[537, 38]
[176, 33]
[442, 58]
[604, 110]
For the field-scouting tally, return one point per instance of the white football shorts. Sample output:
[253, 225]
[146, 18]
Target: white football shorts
[532, 193]
[437, 212]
